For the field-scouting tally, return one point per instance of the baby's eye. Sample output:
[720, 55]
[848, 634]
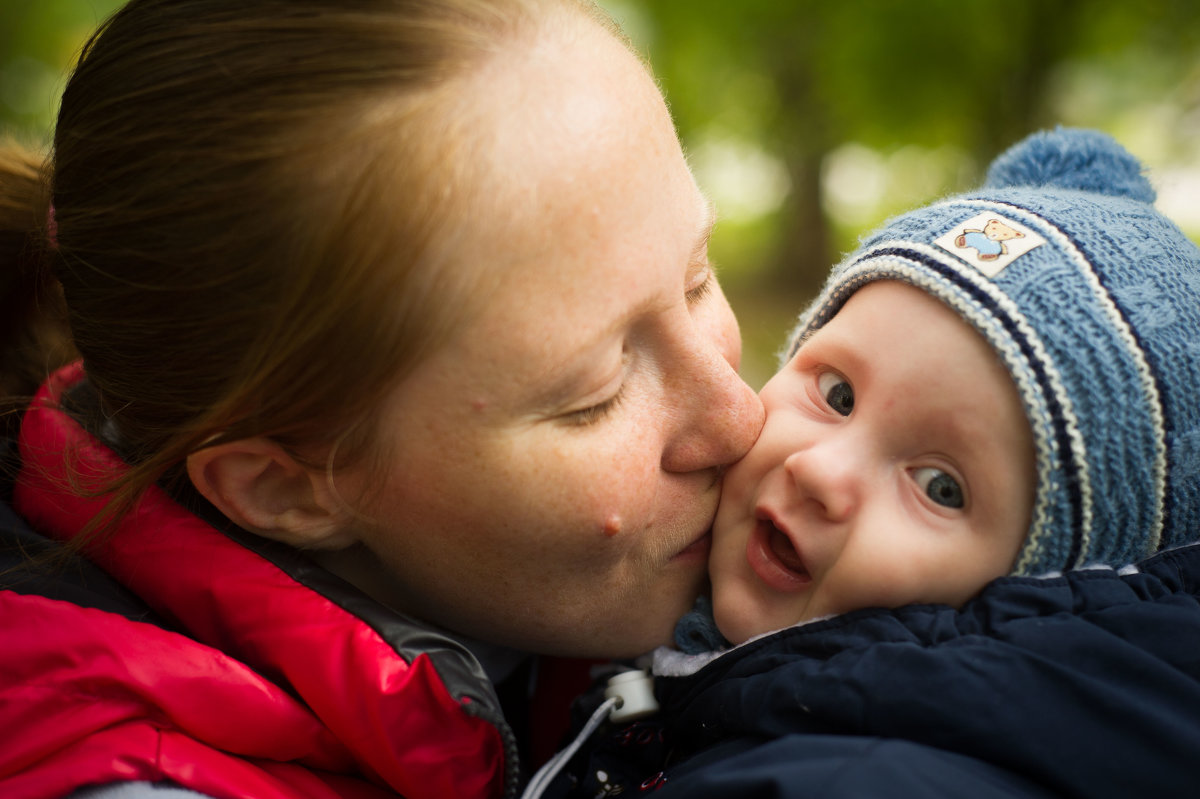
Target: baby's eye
[836, 392]
[940, 487]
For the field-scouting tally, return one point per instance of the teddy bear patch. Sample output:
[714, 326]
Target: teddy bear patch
[989, 242]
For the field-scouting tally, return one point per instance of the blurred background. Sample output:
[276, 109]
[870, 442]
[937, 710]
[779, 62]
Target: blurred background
[809, 122]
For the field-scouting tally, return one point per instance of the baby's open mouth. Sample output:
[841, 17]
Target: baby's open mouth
[774, 558]
[783, 549]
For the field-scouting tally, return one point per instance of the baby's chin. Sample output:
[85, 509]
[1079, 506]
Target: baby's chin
[741, 617]
[739, 621]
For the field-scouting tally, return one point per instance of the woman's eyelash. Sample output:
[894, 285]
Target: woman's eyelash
[593, 414]
[700, 292]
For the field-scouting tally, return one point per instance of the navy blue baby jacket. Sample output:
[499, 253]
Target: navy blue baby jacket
[1084, 685]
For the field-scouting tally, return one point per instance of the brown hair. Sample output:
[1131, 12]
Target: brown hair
[254, 201]
[32, 325]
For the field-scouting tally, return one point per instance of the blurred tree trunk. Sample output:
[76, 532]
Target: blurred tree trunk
[1019, 93]
[803, 252]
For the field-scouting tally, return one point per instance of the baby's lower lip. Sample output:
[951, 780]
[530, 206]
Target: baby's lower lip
[762, 554]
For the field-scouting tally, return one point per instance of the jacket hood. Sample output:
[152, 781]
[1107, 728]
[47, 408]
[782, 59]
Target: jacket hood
[275, 679]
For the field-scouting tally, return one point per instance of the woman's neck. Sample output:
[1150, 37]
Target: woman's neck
[359, 567]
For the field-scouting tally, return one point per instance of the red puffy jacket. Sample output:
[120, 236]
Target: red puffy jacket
[267, 678]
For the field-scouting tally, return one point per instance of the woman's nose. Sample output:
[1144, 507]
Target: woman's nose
[719, 415]
[827, 476]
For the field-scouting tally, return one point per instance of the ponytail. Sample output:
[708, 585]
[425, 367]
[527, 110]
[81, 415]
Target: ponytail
[33, 338]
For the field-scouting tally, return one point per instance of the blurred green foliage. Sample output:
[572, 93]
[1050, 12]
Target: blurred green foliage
[39, 39]
[810, 121]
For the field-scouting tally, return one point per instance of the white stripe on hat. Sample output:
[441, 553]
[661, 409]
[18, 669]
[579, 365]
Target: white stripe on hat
[1120, 324]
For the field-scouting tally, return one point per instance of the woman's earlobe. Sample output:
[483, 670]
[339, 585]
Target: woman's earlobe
[262, 488]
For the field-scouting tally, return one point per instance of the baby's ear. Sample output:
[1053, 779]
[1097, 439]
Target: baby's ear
[262, 488]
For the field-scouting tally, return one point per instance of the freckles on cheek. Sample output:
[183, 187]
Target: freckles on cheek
[623, 507]
[616, 489]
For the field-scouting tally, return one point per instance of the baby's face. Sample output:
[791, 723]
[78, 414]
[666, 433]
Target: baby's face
[896, 466]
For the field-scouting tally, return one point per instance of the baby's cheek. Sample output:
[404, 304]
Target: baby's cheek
[897, 575]
[732, 527]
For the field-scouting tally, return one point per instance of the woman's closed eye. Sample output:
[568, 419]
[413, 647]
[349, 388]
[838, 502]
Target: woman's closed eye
[940, 487]
[595, 413]
[837, 393]
[701, 289]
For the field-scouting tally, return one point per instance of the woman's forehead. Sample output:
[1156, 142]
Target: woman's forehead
[585, 218]
[584, 224]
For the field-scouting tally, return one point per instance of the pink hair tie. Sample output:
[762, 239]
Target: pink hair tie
[52, 228]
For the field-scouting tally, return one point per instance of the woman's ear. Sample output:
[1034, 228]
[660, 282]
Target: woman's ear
[260, 487]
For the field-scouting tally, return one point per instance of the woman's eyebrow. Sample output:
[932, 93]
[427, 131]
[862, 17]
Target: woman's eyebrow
[706, 230]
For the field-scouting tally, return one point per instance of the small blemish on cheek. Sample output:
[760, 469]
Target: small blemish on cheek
[479, 405]
[612, 525]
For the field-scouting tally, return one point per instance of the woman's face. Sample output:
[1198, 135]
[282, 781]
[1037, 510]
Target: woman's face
[555, 466]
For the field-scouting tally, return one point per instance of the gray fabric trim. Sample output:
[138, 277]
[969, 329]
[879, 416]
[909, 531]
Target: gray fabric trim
[136, 790]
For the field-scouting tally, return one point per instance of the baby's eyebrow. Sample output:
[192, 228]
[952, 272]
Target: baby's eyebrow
[800, 342]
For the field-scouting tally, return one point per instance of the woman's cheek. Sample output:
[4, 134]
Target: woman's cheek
[618, 503]
[620, 496]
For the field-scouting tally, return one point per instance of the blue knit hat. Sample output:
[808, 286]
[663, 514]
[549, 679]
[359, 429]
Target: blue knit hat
[1092, 300]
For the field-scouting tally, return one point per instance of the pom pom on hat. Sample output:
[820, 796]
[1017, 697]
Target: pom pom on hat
[1091, 299]
[1065, 158]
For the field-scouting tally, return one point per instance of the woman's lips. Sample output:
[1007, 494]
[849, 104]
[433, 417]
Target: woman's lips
[697, 550]
[773, 557]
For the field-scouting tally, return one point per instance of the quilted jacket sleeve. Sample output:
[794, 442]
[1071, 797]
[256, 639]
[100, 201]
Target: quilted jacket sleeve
[1084, 685]
[844, 767]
